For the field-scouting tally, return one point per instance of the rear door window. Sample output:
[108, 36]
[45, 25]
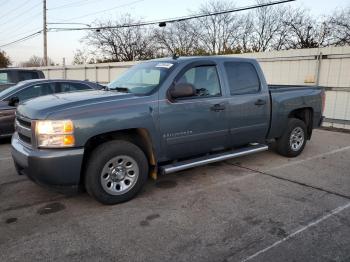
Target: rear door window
[242, 78]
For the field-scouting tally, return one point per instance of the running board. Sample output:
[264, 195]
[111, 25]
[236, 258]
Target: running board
[200, 161]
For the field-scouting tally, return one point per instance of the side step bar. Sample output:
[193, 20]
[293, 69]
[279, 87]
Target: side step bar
[179, 166]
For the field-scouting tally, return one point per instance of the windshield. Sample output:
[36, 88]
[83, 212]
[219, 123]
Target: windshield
[142, 79]
[8, 91]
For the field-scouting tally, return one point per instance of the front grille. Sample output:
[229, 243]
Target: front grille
[24, 129]
[24, 138]
[23, 122]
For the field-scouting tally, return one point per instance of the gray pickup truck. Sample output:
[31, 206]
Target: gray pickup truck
[160, 117]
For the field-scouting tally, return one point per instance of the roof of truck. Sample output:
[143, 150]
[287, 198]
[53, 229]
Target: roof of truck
[194, 58]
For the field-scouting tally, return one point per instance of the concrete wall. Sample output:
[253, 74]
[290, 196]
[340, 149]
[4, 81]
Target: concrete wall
[328, 67]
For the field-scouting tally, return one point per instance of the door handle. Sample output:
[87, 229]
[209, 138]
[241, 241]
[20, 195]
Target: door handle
[217, 108]
[260, 102]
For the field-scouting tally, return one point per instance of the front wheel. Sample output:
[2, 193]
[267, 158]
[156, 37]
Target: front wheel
[116, 172]
[293, 141]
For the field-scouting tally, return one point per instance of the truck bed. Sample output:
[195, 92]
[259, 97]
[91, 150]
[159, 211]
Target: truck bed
[285, 99]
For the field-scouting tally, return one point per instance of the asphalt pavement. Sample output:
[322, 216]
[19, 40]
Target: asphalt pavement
[262, 207]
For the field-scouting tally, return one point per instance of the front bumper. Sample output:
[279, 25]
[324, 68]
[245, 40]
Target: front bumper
[57, 168]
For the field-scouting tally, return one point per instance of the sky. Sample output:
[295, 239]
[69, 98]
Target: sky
[19, 18]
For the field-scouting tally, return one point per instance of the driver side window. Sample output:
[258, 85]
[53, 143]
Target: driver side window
[205, 80]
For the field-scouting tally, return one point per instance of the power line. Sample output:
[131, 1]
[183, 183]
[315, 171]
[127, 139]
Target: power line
[22, 39]
[19, 15]
[14, 9]
[173, 20]
[23, 33]
[73, 4]
[102, 11]
[161, 22]
[69, 24]
[23, 24]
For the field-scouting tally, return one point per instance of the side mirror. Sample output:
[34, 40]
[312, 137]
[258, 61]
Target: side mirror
[13, 101]
[182, 90]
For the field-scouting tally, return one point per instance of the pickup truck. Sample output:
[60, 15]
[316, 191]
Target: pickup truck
[159, 117]
[11, 76]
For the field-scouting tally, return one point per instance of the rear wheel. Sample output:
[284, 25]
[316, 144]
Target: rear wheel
[293, 141]
[116, 172]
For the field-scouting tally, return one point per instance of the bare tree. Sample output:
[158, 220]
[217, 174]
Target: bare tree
[218, 34]
[267, 28]
[339, 23]
[246, 30]
[36, 61]
[120, 44]
[4, 59]
[268, 22]
[283, 33]
[305, 31]
[180, 38]
[82, 57]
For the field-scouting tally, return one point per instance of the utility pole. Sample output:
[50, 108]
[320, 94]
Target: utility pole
[45, 32]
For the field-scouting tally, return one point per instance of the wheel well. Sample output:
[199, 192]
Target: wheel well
[137, 136]
[306, 115]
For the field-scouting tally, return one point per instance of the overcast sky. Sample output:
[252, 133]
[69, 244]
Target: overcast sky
[19, 18]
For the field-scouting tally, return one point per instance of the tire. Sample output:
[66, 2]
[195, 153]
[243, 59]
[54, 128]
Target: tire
[293, 141]
[116, 172]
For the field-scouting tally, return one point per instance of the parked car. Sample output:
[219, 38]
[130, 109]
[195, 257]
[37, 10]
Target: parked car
[29, 89]
[11, 76]
[160, 116]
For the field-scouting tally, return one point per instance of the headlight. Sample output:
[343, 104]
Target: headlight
[55, 134]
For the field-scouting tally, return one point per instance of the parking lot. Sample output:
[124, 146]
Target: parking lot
[257, 208]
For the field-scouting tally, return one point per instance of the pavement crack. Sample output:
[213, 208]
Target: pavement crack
[292, 181]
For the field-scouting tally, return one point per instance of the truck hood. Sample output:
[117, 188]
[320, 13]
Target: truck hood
[42, 107]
